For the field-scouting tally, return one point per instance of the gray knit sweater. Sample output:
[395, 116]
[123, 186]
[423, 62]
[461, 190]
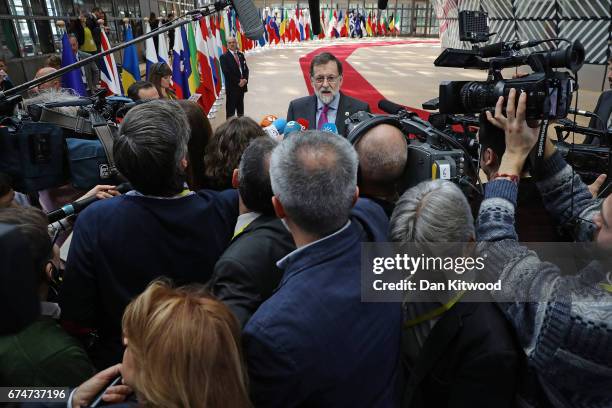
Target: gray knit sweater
[568, 336]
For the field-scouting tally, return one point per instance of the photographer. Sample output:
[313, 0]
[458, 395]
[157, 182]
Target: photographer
[567, 336]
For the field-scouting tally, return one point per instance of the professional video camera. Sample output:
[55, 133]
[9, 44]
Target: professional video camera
[44, 147]
[549, 93]
[432, 153]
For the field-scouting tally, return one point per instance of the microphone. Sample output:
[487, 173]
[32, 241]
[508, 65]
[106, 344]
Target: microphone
[330, 128]
[249, 18]
[304, 122]
[582, 112]
[390, 107]
[276, 129]
[292, 127]
[267, 120]
[315, 17]
[78, 206]
[496, 49]
[382, 4]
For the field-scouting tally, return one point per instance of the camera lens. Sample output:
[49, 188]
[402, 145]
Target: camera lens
[476, 96]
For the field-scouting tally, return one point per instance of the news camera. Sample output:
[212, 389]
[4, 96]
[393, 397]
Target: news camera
[549, 92]
[44, 147]
[432, 153]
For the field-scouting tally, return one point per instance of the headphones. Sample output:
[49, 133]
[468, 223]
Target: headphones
[358, 124]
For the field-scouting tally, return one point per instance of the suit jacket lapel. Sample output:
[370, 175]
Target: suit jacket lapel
[312, 119]
[341, 115]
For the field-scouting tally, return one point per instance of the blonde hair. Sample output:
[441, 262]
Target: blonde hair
[186, 349]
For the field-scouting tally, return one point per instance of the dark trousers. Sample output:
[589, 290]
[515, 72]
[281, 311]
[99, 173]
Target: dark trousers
[234, 103]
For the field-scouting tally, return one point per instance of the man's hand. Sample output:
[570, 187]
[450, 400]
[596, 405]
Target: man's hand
[594, 188]
[86, 392]
[520, 138]
[101, 191]
[242, 82]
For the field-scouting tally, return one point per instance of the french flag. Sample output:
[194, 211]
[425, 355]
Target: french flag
[109, 75]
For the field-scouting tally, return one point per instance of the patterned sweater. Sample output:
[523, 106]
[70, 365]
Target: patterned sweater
[567, 336]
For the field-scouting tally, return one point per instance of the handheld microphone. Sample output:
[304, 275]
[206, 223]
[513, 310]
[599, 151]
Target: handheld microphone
[315, 17]
[267, 120]
[292, 127]
[78, 206]
[330, 128]
[304, 122]
[390, 107]
[280, 124]
[249, 18]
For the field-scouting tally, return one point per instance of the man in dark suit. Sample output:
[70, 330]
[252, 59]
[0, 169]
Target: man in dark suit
[314, 342]
[89, 72]
[328, 104]
[246, 274]
[236, 74]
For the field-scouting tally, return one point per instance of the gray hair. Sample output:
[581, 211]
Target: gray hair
[314, 176]
[432, 211]
[151, 144]
[54, 95]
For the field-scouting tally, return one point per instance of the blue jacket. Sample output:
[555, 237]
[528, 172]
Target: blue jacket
[123, 243]
[314, 342]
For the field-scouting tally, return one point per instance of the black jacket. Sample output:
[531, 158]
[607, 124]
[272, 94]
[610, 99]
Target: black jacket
[306, 108]
[246, 274]
[470, 359]
[231, 73]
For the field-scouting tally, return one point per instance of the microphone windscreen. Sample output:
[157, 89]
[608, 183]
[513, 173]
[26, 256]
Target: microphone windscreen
[267, 120]
[315, 17]
[390, 107]
[382, 4]
[292, 127]
[280, 124]
[249, 18]
[304, 122]
[330, 127]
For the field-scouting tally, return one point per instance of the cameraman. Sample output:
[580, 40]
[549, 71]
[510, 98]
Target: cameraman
[382, 151]
[533, 222]
[567, 336]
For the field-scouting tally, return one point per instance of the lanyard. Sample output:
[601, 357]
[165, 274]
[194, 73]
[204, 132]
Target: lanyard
[434, 313]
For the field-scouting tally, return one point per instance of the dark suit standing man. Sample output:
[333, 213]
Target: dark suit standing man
[89, 72]
[236, 74]
[328, 104]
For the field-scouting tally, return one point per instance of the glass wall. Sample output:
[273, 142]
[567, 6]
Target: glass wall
[28, 27]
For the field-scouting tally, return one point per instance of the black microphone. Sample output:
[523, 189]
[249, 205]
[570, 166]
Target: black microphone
[496, 49]
[249, 18]
[382, 4]
[390, 107]
[78, 206]
[315, 17]
[582, 112]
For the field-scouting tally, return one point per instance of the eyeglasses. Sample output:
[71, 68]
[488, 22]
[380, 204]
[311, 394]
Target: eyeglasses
[331, 79]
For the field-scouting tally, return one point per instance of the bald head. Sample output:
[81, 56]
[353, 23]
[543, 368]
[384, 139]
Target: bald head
[382, 158]
[52, 84]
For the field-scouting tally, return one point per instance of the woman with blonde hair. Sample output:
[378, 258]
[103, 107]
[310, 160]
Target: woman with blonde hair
[182, 350]
[160, 75]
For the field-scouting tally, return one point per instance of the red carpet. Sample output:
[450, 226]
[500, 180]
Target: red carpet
[354, 84]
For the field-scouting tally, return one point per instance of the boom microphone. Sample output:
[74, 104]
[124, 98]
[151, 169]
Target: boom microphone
[249, 18]
[315, 17]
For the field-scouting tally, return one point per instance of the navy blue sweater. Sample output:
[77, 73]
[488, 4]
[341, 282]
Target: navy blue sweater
[121, 244]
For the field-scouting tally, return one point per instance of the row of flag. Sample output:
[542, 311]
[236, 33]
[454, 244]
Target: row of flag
[198, 45]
